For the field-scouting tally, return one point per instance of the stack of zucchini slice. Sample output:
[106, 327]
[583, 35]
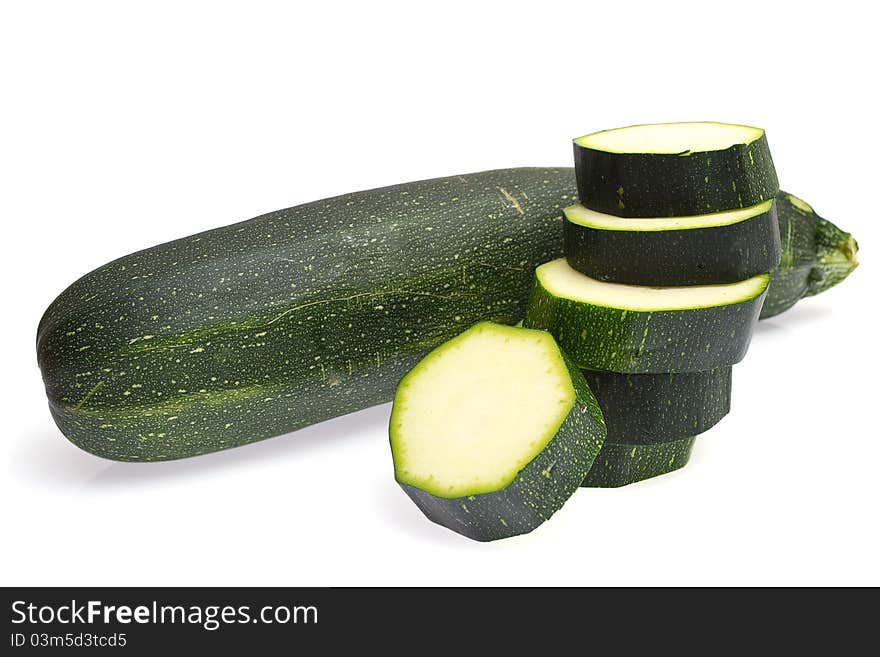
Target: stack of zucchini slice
[665, 272]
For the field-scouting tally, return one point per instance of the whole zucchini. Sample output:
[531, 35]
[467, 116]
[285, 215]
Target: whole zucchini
[301, 315]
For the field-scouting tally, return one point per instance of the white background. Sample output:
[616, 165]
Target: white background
[129, 124]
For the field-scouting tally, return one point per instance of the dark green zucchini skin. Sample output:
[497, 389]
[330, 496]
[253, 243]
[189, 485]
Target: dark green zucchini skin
[641, 342]
[695, 256]
[663, 185]
[539, 489]
[619, 464]
[816, 255]
[642, 409]
[266, 326]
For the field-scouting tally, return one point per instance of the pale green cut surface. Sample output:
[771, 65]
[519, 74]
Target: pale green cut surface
[476, 410]
[671, 138]
[800, 204]
[578, 214]
[560, 280]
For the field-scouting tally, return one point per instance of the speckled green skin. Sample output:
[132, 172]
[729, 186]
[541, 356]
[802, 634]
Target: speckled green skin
[816, 255]
[659, 185]
[262, 327]
[642, 342]
[541, 487]
[695, 256]
[656, 408]
[620, 464]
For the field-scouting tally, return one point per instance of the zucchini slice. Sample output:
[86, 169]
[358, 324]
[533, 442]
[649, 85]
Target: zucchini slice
[642, 409]
[493, 431]
[723, 247]
[620, 464]
[674, 169]
[639, 329]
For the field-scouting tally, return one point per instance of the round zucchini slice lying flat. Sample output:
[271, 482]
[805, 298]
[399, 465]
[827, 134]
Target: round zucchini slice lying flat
[642, 409]
[723, 247]
[620, 464]
[493, 431]
[674, 169]
[639, 329]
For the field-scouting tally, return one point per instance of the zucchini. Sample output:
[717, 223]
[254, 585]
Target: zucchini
[242, 333]
[620, 464]
[652, 421]
[674, 169]
[265, 326]
[643, 409]
[493, 431]
[723, 247]
[816, 255]
[638, 329]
